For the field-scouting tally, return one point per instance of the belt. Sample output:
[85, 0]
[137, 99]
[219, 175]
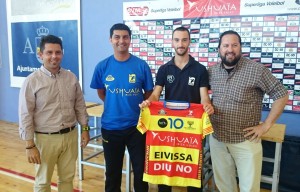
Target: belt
[62, 131]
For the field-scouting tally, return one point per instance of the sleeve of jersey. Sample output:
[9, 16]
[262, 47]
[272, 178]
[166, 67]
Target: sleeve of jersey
[207, 126]
[148, 85]
[144, 120]
[96, 82]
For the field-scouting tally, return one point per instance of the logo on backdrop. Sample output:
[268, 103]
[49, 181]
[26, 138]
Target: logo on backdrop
[42, 31]
[138, 11]
[26, 46]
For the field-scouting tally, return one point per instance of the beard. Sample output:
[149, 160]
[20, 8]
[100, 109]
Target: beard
[181, 53]
[230, 63]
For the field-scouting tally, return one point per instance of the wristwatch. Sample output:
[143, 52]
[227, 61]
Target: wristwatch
[85, 128]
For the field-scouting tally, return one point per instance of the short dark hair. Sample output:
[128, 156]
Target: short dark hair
[181, 29]
[119, 26]
[50, 39]
[229, 32]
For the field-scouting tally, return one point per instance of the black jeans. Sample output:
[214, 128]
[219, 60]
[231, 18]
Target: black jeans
[166, 188]
[114, 143]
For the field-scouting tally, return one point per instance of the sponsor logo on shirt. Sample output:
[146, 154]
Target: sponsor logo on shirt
[191, 81]
[190, 113]
[178, 140]
[132, 78]
[110, 78]
[170, 78]
[162, 123]
[162, 112]
[122, 91]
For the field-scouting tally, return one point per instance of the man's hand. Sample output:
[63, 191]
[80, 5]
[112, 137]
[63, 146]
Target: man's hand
[208, 108]
[145, 103]
[85, 138]
[256, 132]
[33, 155]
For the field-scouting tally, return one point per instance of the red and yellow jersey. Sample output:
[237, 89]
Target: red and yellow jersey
[174, 142]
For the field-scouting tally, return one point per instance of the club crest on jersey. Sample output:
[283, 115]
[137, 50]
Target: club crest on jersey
[162, 112]
[132, 78]
[170, 78]
[191, 81]
[109, 78]
[190, 123]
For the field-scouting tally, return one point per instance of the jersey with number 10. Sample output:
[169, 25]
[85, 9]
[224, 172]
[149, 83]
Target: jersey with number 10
[174, 143]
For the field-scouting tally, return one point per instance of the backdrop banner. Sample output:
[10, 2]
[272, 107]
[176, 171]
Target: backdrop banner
[26, 26]
[269, 31]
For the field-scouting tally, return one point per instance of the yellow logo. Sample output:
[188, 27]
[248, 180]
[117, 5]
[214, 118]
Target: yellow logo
[110, 78]
[132, 78]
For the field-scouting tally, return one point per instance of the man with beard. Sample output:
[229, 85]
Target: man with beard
[184, 79]
[238, 86]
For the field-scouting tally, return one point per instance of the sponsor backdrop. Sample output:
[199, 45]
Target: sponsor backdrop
[26, 26]
[269, 30]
